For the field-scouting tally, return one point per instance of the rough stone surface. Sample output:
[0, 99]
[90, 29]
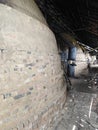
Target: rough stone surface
[32, 90]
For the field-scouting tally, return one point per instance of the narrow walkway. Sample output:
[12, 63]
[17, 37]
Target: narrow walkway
[81, 110]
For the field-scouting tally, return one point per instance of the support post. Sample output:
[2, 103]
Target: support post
[71, 61]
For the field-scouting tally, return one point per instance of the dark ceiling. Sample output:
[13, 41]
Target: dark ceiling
[78, 18]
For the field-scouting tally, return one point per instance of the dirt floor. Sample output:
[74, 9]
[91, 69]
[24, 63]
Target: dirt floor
[81, 110]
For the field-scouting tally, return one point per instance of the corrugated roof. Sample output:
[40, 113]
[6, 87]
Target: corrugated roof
[78, 18]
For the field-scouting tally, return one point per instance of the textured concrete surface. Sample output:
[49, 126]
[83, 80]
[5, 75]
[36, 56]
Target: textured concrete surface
[26, 6]
[81, 62]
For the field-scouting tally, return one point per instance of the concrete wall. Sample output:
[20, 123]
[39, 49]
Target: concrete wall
[32, 91]
[81, 61]
[26, 6]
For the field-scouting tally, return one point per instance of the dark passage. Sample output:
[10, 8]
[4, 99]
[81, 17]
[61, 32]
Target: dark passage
[75, 25]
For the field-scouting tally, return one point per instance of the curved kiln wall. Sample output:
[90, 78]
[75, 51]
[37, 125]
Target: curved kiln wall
[32, 93]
